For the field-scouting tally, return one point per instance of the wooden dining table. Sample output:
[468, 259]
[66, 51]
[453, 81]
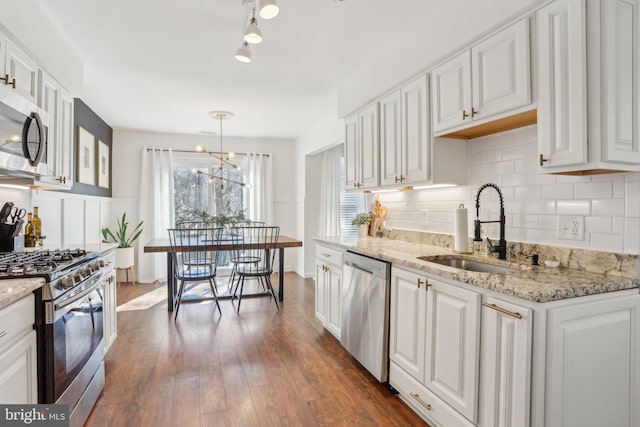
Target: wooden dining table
[163, 245]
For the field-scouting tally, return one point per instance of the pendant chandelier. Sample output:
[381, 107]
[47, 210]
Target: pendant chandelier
[222, 157]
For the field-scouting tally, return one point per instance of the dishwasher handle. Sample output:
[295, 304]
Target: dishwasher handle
[358, 266]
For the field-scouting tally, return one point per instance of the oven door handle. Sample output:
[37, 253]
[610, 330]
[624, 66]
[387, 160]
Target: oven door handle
[82, 294]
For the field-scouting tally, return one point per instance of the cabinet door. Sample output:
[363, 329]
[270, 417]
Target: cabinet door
[453, 346]
[415, 132]
[562, 100]
[407, 331]
[24, 70]
[451, 93]
[18, 372]
[368, 120]
[65, 171]
[49, 101]
[621, 72]
[593, 356]
[501, 71]
[333, 281]
[351, 139]
[391, 139]
[110, 313]
[505, 364]
[321, 293]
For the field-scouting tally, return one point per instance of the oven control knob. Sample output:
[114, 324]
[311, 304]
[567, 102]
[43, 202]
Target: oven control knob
[66, 283]
[101, 264]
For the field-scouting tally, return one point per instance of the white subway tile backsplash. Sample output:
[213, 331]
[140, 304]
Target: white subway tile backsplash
[557, 191]
[632, 207]
[528, 192]
[632, 235]
[593, 190]
[611, 207]
[617, 225]
[544, 207]
[609, 203]
[573, 207]
[597, 224]
[607, 242]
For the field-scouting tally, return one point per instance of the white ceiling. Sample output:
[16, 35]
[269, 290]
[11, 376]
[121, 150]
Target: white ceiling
[162, 65]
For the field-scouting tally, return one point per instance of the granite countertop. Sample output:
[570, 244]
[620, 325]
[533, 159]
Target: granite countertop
[12, 290]
[532, 283]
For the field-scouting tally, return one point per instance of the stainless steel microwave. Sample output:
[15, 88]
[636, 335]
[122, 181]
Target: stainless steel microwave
[23, 136]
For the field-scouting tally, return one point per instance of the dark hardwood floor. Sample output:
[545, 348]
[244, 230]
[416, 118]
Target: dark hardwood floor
[263, 367]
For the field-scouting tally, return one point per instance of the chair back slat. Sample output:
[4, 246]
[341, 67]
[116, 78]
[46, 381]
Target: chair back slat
[195, 251]
[253, 248]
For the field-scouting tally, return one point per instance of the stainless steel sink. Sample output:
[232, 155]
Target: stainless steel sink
[467, 264]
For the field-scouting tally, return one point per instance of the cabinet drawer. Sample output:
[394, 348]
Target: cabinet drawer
[424, 402]
[329, 255]
[16, 320]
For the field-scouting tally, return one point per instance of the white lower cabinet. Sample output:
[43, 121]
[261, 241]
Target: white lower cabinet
[329, 288]
[505, 364]
[593, 361]
[461, 357]
[435, 328]
[18, 363]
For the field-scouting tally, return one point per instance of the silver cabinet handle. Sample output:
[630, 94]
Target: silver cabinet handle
[502, 310]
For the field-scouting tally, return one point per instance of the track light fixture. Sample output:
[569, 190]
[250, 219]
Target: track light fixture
[268, 9]
[243, 54]
[253, 35]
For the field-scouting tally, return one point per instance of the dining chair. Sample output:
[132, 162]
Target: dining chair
[254, 252]
[242, 259]
[195, 258]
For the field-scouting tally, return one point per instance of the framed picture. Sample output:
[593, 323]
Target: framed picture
[86, 157]
[103, 164]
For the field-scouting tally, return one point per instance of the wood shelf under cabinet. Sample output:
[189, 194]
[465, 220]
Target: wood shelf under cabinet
[507, 123]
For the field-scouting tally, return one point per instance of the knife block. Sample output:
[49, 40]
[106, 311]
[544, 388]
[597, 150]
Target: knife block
[12, 244]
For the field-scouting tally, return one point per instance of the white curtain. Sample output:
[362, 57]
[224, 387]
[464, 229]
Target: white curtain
[330, 192]
[155, 209]
[258, 195]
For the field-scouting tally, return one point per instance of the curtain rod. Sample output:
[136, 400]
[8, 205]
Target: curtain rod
[208, 152]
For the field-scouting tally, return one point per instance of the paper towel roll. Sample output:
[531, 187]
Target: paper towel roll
[461, 229]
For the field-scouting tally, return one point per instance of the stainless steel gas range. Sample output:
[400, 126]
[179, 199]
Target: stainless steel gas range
[69, 325]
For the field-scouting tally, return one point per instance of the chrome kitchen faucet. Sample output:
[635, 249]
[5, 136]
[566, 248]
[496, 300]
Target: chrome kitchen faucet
[501, 247]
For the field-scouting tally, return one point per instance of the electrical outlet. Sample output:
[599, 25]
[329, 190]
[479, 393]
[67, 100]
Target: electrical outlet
[571, 227]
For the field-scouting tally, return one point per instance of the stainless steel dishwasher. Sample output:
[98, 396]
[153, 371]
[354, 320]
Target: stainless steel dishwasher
[365, 312]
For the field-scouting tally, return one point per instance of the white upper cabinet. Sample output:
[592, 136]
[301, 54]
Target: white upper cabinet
[451, 93]
[361, 150]
[59, 105]
[20, 72]
[589, 86]
[404, 135]
[490, 81]
[501, 71]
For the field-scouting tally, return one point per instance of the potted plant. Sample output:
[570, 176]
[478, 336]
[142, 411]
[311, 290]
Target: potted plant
[124, 252]
[362, 220]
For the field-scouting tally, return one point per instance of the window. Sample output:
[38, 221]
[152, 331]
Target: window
[348, 206]
[198, 194]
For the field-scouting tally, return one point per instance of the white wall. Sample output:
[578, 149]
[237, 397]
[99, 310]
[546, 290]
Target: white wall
[326, 133]
[127, 152]
[32, 29]
[609, 204]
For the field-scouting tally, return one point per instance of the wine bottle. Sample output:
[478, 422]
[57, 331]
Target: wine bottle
[29, 233]
[37, 224]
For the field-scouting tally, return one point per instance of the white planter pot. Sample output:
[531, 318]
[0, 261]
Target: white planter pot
[124, 257]
[363, 230]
